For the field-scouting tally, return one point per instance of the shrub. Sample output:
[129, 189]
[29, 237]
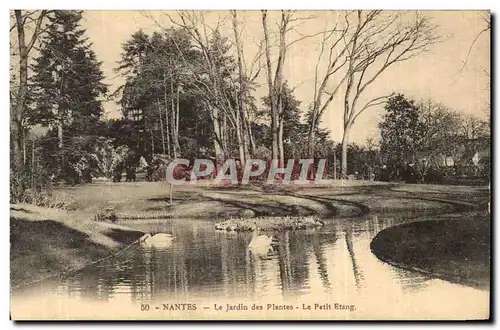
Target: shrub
[35, 178]
[261, 152]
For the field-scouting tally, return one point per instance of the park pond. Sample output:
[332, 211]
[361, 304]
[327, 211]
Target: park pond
[327, 266]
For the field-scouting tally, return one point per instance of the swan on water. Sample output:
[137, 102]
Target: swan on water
[159, 240]
[262, 244]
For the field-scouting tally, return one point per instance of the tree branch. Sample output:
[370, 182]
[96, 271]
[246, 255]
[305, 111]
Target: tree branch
[37, 30]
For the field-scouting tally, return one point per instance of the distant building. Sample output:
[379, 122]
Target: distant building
[430, 159]
[480, 155]
[461, 156]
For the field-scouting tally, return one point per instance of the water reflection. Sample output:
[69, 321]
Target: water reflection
[333, 262]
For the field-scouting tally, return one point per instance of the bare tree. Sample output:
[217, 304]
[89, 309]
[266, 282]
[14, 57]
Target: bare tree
[271, 88]
[333, 40]
[246, 76]
[240, 113]
[379, 41]
[473, 134]
[486, 19]
[214, 81]
[208, 83]
[438, 136]
[33, 21]
[175, 116]
[275, 81]
[472, 127]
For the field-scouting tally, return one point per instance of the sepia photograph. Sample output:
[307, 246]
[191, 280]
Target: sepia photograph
[250, 165]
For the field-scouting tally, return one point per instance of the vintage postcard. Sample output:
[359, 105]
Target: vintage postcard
[250, 165]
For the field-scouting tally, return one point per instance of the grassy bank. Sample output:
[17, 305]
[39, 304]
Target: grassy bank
[47, 242]
[455, 248]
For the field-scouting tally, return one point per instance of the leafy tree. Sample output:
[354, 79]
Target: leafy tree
[425, 134]
[160, 101]
[293, 128]
[68, 80]
[400, 131]
[108, 157]
[68, 93]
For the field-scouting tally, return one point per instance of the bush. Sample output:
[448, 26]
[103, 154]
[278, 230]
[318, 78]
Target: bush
[189, 147]
[434, 175]
[46, 198]
[485, 167]
[262, 153]
[35, 178]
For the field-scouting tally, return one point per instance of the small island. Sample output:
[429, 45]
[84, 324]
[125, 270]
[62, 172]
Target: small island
[270, 223]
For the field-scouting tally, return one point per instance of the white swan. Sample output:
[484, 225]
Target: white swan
[261, 244]
[157, 240]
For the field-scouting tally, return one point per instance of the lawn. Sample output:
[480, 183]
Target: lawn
[343, 198]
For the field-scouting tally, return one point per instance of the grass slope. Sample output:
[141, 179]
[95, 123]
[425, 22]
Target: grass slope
[47, 242]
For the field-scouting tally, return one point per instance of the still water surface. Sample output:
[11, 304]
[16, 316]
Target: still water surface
[333, 264]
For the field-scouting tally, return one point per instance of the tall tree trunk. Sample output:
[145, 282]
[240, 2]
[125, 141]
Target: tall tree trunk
[345, 134]
[173, 121]
[152, 143]
[249, 134]
[242, 130]
[239, 138]
[224, 133]
[32, 160]
[274, 149]
[165, 100]
[281, 151]
[278, 84]
[335, 163]
[177, 146]
[60, 143]
[272, 94]
[161, 129]
[311, 140]
[244, 135]
[252, 139]
[17, 111]
[218, 137]
[60, 114]
[239, 134]
[167, 126]
[345, 142]
[60, 135]
[24, 150]
[280, 144]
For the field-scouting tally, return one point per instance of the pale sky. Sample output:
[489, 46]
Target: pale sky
[431, 75]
